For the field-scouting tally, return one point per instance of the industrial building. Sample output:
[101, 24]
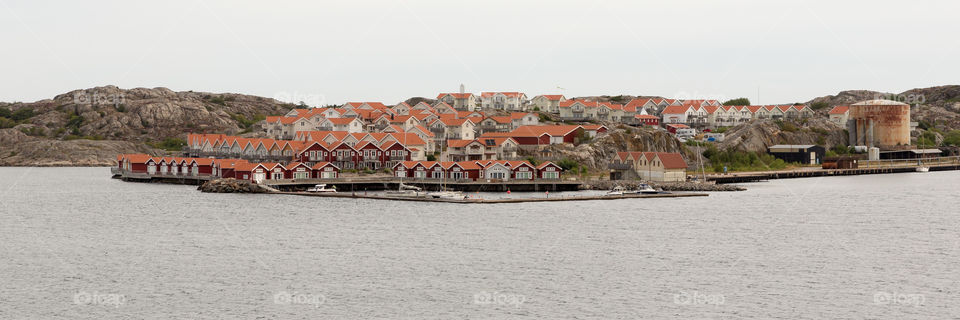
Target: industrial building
[804, 154]
[884, 124]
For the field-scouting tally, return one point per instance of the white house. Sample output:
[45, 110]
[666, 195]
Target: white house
[510, 101]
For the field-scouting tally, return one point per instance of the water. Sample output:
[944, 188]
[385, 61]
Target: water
[76, 244]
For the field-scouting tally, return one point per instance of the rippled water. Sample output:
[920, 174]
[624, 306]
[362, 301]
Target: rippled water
[76, 244]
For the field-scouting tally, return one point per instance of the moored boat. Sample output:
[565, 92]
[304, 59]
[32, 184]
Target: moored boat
[321, 188]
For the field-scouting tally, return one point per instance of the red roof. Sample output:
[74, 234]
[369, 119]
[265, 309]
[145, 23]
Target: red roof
[675, 110]
[553, 97]
[341, 121]
[670, 160]
[455, 95]
[839, 109]
[509, 94]
[458, 143]
[321, 165]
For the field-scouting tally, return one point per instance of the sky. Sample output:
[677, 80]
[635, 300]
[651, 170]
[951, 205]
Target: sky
[331, 52]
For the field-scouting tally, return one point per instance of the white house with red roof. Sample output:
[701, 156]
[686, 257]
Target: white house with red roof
[548, 102]
[839, 115]
[651, 166]
[509, 101]
[460, 101]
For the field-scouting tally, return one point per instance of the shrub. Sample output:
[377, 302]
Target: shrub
[22, 114]
[218, 100]
[819, 105]
[74, 121]
[737, 102]
[431, 157]
[532, 161]
[952, 138]
[567, 164]
[6, 123]
[121, 108]
[5, 113]
[33, 131]
[169, 144]
[743, 161]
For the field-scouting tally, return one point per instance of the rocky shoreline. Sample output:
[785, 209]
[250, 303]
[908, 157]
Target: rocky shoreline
[231, 185]
[666, 186]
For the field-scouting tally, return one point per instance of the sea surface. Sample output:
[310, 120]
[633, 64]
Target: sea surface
[75, 244]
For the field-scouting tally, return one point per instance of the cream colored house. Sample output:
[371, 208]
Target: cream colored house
[548, 102]
[840, 115]
[460, 101]
[655, 166]
[510, 101]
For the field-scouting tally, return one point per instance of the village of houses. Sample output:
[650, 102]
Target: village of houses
[459, 137]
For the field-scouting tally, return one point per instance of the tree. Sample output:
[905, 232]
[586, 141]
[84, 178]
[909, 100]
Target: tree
[952, 138]
[819, 105]
[737, 102]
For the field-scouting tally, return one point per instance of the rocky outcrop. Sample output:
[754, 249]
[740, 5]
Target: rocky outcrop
[18, 149]
[599, 152]
[757, 135]
[91, 126]
[231, 185]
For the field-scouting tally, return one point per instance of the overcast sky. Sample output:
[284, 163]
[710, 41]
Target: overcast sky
[388, 51]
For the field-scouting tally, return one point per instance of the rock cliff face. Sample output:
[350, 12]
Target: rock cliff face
[90, 126]
[18, 149]
[756, 136]
[600, 151]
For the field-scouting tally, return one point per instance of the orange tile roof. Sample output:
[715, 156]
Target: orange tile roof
[341, 121]
[321, 165]
[456, 143]
[839, 109]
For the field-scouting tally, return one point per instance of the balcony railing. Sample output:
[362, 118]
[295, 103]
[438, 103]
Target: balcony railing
[620, 166]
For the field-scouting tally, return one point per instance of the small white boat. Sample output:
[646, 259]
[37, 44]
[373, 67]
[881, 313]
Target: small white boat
[321, 188]
[447, 195]
[644, 188]
[616, 191]
[923, 169]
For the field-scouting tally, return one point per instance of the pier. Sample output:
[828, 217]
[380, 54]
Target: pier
[867, 167]
[370, 183]
[353, 195]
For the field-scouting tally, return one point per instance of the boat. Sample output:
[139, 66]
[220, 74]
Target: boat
[448, 195]
[406, 192]
[644, 188]
[616, 191]
[923, 169]
[321, 188]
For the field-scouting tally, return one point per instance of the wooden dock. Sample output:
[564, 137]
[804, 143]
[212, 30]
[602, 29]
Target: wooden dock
[816, 172]
[352, 195]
